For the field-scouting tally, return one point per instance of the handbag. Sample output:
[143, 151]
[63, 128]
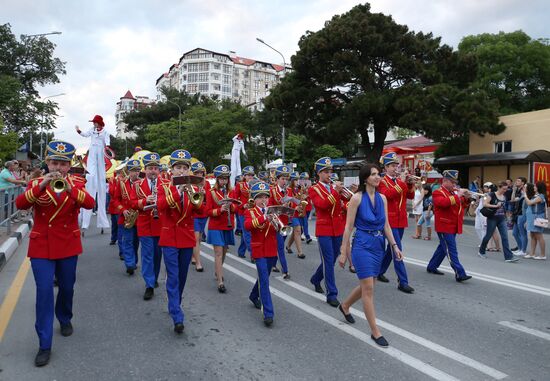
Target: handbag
[489, 212]
[542, 222]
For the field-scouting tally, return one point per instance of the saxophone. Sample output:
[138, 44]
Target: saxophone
[130, 221]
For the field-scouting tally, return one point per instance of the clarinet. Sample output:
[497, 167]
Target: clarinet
[229, 224]
[154, 193]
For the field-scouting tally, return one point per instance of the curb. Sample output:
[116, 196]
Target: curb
[9, 247]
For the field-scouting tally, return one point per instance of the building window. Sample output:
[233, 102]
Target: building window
[505, 146]
[227, 89]
[217, 66]
[256, 85]
[256, 94]
[203, 87]
[193, 77]
[215, 76]
[226, 69]
[226, 79]
[203, 77]
[216, 87]
[192, 88]
[193, 67]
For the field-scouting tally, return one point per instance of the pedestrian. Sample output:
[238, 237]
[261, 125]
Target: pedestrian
[427, 213]
[264, 248]
[201, 216]
[368, 213]
[54, 244]
[518, 231]
[475, 185]
[536, 202]
[497, 220]
[329, 228]
[397, 193]
[177, 236]
[417, 209]
[449, 205]
[221, 222]
[144, 199]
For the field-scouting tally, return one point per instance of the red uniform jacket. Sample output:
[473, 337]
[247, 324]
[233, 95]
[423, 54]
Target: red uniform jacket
[275, 199]
[218, 219]
[203, 212]
[309, 206]
[242, 193]
[448, 211]
[263, 237]
[123, 198]
[55, 234]
[328, 207]
[147, 225]
[113, 184]
[176, 217]
[397, 192]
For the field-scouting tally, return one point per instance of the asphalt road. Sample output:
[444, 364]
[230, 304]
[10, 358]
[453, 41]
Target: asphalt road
[494, 326]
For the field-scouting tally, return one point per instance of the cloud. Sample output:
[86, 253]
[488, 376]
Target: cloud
[111, 47]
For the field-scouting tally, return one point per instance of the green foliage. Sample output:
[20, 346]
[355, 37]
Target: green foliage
[513, 68]
[452, 147]
[327, 150]
[25, 65]
[8, 145]
[363, 69]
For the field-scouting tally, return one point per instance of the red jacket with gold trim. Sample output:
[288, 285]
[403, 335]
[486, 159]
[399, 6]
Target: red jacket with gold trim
[147, 225]
[242, 193]
[397, 193]
[113, 184]
[55, 234]
[275, 199]
[448, 211]
[218, 219]
[263, 237]
[328, 206]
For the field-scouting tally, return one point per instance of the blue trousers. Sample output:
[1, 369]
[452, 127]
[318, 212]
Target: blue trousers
[305, 225]
[281, 252]
[520, 233]
[129, 245]
[65, 273]
[329, 249]
[447, 247]
[399, 266]
[245, 238]
[492, 224]
[114, 227]
[177, 265]
[261, 287]
[151, 256]
[240, 224]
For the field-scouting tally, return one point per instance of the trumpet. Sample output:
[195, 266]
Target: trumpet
[345, 192]
[416, 179]
[59, 185]
[188, 181]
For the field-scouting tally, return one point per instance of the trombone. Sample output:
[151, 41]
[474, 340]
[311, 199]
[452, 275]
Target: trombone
[275, 211]
[188, 181]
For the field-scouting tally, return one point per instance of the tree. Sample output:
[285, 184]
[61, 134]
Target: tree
[363, 69]
[513, 68]
[25, 65]
[8, 145]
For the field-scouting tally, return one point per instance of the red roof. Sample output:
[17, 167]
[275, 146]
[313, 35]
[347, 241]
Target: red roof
[128, 95]
[417, 141]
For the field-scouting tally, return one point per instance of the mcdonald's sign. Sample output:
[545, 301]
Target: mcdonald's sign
[541, 172]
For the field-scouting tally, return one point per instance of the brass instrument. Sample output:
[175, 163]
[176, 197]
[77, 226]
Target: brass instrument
[275, 211]
[416, 179]
[188, 181]
[249, 204]
[153, 206]
[345, 192]
[58, 185]
[130, 221]
[225, 201]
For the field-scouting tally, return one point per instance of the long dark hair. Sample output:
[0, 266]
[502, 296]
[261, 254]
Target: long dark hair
[530, 190]
[428, 188]
[541, 188]
[364, 172]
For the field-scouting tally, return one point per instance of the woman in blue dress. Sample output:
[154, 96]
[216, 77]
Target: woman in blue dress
[368, 213]
[535, 198]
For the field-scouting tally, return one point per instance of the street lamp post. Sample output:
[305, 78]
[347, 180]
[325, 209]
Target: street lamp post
[284, 72]
[43, 122]
[41, 34]
[179, 117]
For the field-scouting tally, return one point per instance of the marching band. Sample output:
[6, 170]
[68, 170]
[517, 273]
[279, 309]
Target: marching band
[166, 208]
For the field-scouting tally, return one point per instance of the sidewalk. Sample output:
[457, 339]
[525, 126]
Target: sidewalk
[10, 242]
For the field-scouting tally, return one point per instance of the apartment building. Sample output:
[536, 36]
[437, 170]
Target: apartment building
[224, 76]
[127, 104]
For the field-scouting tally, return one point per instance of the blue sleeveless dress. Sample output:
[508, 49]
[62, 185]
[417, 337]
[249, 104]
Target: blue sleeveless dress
[368, 248]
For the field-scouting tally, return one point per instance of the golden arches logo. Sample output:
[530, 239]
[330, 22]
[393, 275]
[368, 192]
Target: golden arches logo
[542, 174]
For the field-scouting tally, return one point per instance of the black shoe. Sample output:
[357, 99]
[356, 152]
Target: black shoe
[380, 341]
[406, 289]
[256, 303]
[308, 241]
[515, 249]
[352, 269]
[289, 250]
[303, 239]
[42, 357]
[222, 289]
[66, 329]
[349, 317]
[436, 272]
[120, 257]
[382, 278]
[286, 276]
[130, 271]
[268, 321]
[156, 284]
[242, 256]
[112, 243]
[238, 232]
[199, 269]
[149, 292]
[463, 278]
[252, 260]
[318, 288]
[301, 256]
[178, 328]
[333, 303]
[275, 270]
[55, 284]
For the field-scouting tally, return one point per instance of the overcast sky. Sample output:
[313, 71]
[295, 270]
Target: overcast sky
[112, 46]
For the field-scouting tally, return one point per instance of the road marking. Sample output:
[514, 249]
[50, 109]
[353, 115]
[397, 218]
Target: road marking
[488, 278]
[10, 301]
[494, 373]
[395, 353]
[531, 331]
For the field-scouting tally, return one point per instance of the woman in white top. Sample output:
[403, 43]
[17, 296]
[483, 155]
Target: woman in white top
[417, 208]
[481, 222]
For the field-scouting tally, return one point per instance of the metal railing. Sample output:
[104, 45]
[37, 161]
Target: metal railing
[8, 210]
